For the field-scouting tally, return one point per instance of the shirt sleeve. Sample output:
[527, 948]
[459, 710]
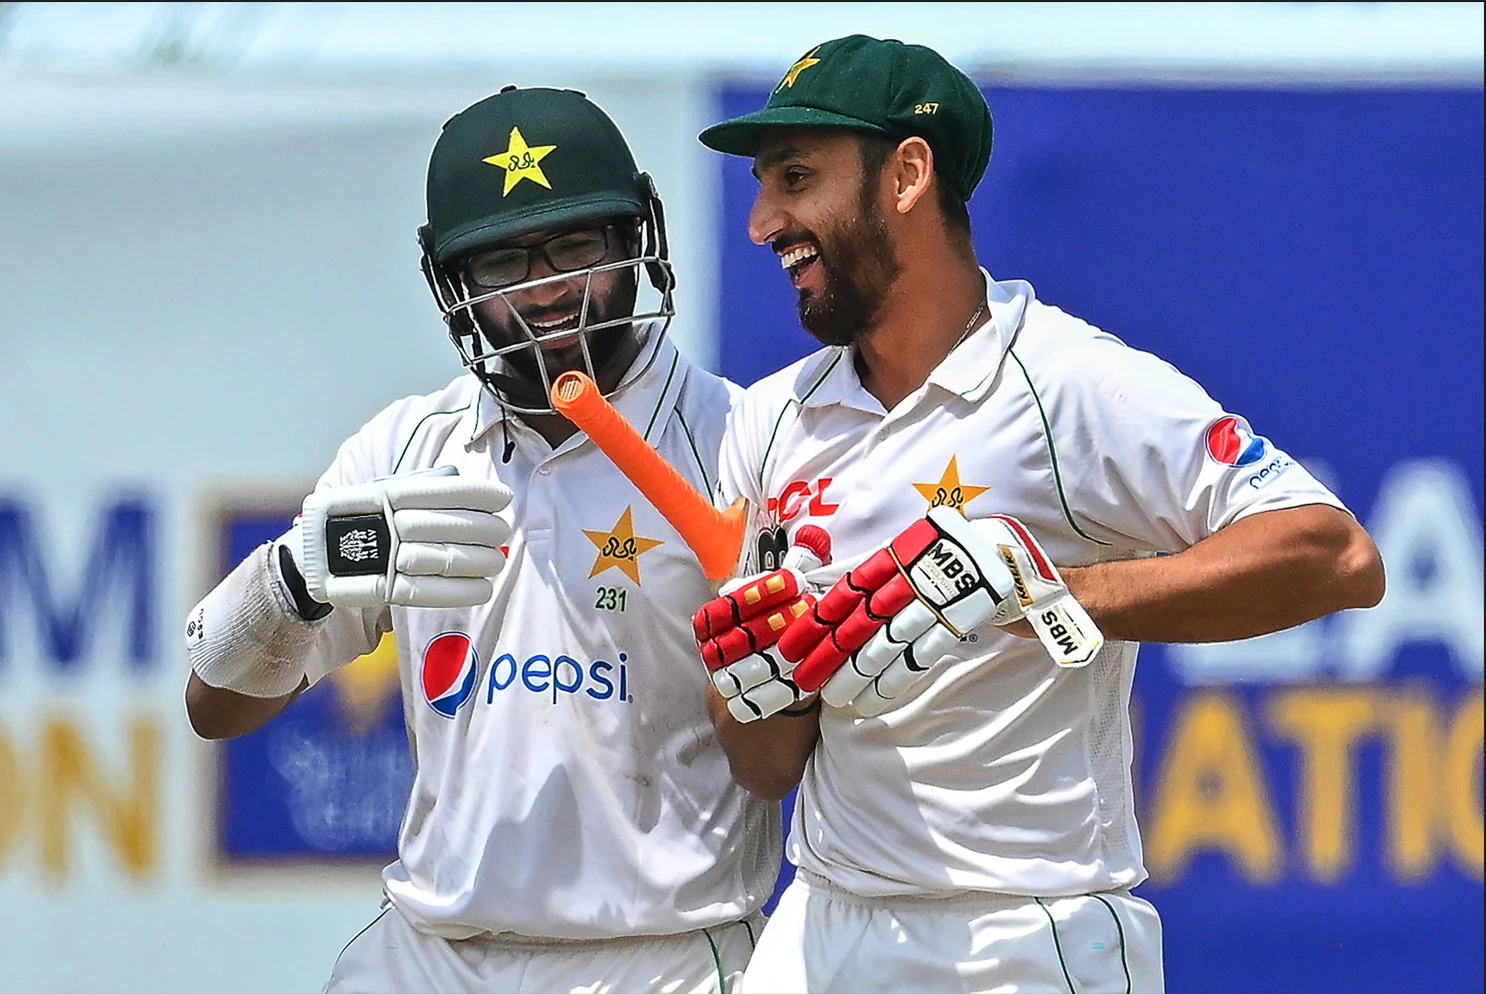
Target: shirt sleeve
[1159, 464]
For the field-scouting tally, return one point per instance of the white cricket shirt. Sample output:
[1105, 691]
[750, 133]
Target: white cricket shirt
[568, 780]
[998, 772]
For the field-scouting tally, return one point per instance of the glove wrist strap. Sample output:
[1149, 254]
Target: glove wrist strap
[307, 607]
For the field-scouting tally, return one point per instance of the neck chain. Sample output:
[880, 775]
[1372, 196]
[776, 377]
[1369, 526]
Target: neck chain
[969, 325]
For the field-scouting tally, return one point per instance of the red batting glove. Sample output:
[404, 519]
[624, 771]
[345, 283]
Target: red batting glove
[737, 631]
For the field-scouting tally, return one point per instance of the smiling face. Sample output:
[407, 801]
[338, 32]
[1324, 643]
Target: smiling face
[536, 289]
[820, 208]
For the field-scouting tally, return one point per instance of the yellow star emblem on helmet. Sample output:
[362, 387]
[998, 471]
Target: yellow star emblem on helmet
[620, 548]
[521, 161]
[799, 67]
[949, 490]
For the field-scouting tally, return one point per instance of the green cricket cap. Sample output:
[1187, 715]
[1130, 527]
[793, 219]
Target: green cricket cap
[882, 86]
[527, 159]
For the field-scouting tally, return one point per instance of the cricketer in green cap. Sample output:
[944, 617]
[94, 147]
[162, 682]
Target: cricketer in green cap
[858, 143]
[539, 223]
[884, 87]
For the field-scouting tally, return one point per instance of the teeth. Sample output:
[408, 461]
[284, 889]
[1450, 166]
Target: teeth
[795, 256]
[549, 325]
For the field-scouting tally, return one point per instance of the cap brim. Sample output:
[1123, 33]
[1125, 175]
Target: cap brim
[538, 217]
[741, 135]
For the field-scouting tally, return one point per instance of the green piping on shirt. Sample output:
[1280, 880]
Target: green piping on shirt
[414, 432]
[798, 403]
[675, 361]
[691, 440]
[1047, 434]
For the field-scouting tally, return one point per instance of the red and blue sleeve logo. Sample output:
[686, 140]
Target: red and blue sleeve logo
[450, 665]
[1231, 443]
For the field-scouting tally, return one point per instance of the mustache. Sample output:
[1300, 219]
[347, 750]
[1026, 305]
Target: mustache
[783, 243]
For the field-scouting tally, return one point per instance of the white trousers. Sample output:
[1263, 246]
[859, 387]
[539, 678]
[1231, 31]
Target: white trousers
[823, 939]
[389, 956]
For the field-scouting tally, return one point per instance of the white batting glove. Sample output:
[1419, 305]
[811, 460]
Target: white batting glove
[424, 539]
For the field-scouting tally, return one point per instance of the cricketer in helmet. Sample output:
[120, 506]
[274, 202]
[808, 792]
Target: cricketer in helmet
[539, 225]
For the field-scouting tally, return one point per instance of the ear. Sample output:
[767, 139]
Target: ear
[913, 168]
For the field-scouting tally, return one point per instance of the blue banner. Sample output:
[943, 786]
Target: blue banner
[1311, 802]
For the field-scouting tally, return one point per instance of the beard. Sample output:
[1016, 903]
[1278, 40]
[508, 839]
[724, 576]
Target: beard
[611, 349]
[859, 263]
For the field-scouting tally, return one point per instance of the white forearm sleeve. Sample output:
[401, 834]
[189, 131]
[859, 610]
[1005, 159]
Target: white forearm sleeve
[245, 635]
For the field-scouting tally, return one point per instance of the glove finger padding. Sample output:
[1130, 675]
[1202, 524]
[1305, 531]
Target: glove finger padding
[436, 591]
[1040, 595]
[763, 701]
[739, 600]
[935, 563]
[454, 526]
[437, 490]
[865, 665]
[736, 633]
[424, 539]
[425, 559]
[932, 648]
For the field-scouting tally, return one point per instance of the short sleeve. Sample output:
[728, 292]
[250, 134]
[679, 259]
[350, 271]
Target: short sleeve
[1159, 464]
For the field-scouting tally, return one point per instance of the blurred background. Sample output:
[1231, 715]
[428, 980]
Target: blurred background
[209, 278]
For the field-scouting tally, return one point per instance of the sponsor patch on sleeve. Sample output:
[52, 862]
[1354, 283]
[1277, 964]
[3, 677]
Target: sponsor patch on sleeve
[1230, 442]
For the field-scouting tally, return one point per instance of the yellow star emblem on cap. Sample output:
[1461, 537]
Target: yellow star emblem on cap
[620, 548]
[949, 490]
[799, 67]
[521, 161]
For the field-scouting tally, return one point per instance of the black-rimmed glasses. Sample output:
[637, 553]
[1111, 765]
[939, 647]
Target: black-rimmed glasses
[502, 267]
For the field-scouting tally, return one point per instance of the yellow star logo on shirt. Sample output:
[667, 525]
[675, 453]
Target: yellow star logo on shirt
[620, 548]
[521, 161]
[799, 67]
[949, 490]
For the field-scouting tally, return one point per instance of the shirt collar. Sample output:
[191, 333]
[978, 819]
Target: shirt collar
[968, 370]
[645, 402]
[971, 367]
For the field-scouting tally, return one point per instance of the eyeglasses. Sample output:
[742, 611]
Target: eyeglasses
[503, 267]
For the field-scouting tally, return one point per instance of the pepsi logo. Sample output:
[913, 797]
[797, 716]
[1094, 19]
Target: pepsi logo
[1231, 443]
[450, 665]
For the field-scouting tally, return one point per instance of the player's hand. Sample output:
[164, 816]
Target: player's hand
[889, 620]
[737, 630]
[905, 608]
[424, 539]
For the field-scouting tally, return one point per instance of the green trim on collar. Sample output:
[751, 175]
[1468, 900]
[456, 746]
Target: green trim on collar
[797, 402]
